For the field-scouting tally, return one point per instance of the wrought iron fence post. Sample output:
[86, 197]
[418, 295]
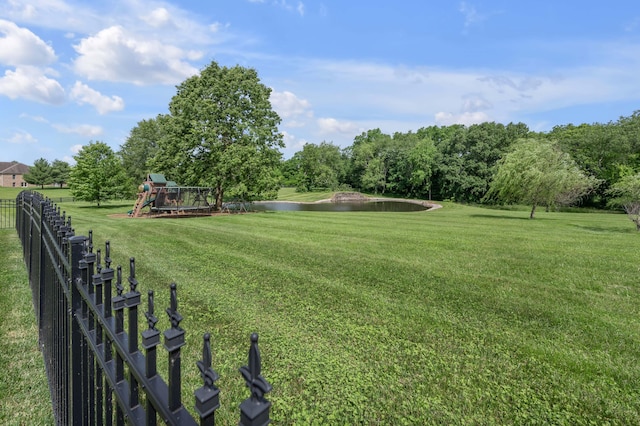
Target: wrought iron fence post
[150, 340]
[254, 411]
[96, 281]
[173, 341]
[107, 274]
[207, 397]
[74, 395]
[132, 300]
[118, 307]
[88, 356]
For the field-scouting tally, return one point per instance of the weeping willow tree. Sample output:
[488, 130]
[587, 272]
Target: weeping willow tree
[537, 172]
[626, 194]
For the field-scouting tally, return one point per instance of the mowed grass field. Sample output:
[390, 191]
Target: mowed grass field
[461, 315]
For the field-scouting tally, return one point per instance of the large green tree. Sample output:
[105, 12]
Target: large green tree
[222, 133]
[421, 161]
[368, 161]
[39, 173]
[537, 172]
[320, 166]
[98, 175]
[467, 156]
[140, 147]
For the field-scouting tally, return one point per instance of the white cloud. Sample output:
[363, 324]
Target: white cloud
[474, 103]
[158, 18]
[36, 118]
[81, 129]
[470, 14]
[83, 94]
[284, 4]
[331, 125]
[288, 105]
[22, 137]
[115, 55]
[291, 142]
[31, 83]
[58, 14]
[19, 46]
[76, 148]
[466, 118]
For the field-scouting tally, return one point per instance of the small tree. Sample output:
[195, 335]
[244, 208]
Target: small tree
[626, 194]
[60, 172]
[538, 173]
[39, 174]
[98, 174]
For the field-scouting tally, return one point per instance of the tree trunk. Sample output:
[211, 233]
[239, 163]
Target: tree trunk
[219, 194]
[533, 212]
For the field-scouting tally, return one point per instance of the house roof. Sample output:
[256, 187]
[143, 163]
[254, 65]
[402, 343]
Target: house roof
[13, 168]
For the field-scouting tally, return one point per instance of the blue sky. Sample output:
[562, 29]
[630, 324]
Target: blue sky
[73, 71]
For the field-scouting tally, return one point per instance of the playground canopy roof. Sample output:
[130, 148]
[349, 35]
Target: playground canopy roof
[157, 178]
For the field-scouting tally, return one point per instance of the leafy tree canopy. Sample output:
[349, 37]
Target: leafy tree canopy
[39, 174]
[222, 132]
[319, 166]
[98, 175]
[60, 171]
[140, 147]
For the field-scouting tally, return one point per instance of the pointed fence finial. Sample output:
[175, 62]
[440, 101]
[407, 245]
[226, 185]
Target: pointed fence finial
[152, 320]
[133, 282]
[208, 396]
[208, 374]
[251, 373]
[107, 254]
[119, 287]
[173, 341]
[172, 310]
[255, 409]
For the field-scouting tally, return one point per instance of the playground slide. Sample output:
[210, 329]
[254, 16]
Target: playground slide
[145, 204]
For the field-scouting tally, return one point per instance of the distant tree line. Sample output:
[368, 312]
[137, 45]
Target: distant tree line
[460, 162]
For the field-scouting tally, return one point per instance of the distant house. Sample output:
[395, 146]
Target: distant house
[11, 174]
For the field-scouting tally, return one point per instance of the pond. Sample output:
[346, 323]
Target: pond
[344, 206]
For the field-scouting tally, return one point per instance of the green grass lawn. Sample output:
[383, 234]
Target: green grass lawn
[459, 315]
[24, 393]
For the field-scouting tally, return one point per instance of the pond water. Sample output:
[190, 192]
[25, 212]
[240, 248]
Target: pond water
[345, 206]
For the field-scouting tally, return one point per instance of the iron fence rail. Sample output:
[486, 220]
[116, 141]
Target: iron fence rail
[98, 373]
[7, 214]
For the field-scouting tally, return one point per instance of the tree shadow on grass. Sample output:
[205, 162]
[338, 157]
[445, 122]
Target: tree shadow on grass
[608, 229]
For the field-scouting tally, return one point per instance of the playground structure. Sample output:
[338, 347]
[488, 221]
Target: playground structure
[164, 197]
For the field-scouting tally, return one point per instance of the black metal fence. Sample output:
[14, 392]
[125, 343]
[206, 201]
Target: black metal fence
[97, 372]
[7, 214]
